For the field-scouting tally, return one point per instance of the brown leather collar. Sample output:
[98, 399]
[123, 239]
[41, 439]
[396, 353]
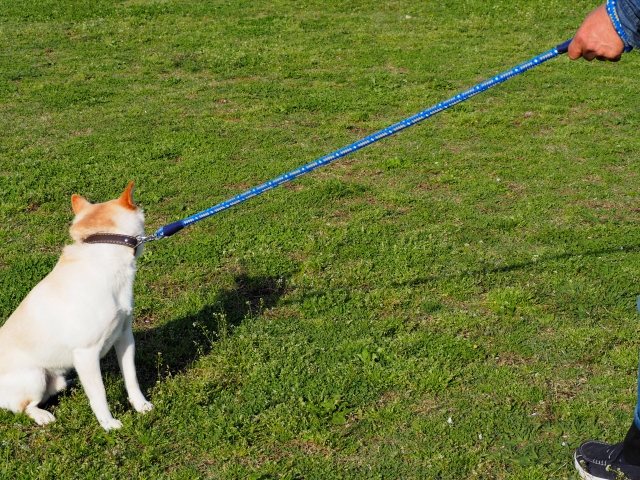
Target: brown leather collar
[115, 239]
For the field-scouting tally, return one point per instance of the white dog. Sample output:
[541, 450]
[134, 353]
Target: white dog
[76, 314]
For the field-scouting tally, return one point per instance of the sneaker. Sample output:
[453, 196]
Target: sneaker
[604, 461]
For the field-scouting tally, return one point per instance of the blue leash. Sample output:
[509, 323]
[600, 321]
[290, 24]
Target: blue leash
[171, 228]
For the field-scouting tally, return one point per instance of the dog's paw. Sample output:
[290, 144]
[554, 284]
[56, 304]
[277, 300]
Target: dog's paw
[110, 423]
[143, 407]
[41, 417]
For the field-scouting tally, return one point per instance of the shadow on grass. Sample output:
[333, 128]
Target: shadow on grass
[523, 265]
[182, 341]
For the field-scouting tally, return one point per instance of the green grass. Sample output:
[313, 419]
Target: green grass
[481, 267]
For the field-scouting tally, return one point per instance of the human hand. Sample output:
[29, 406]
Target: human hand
[596, 38]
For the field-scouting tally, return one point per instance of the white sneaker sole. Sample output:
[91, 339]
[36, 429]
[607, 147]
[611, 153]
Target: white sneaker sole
[583, 474]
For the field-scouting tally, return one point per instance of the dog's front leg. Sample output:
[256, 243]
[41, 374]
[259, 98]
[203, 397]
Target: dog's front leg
[87, 364]
[125, 350]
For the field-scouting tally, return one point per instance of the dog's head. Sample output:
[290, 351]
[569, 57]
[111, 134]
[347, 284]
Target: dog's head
[119, 216]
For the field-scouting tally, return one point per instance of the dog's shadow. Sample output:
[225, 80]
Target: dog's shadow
[170, 348]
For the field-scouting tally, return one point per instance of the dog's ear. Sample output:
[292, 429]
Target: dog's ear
[78, 203]
[126, 200]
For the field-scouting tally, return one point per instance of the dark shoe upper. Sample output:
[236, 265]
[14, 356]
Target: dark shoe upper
[605, 461]
[631, 448]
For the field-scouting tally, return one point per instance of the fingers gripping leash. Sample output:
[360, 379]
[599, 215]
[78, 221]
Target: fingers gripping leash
[171, 228]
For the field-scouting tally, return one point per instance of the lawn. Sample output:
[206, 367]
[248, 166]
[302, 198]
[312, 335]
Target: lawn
[456, 301]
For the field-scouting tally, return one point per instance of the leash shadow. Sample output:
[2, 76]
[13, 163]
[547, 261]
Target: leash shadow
[522, 265]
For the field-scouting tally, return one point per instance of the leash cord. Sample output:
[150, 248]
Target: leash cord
[171, 228]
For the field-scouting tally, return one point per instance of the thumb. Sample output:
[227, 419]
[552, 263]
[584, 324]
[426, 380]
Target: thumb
[575, 49]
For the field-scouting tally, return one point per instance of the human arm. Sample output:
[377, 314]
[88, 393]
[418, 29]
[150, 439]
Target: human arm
[608, 31]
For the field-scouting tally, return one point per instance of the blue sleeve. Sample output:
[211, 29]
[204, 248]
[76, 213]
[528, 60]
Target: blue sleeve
[628, 16]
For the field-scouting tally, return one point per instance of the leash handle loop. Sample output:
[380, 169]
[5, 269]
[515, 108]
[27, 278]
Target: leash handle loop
[564, 46]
